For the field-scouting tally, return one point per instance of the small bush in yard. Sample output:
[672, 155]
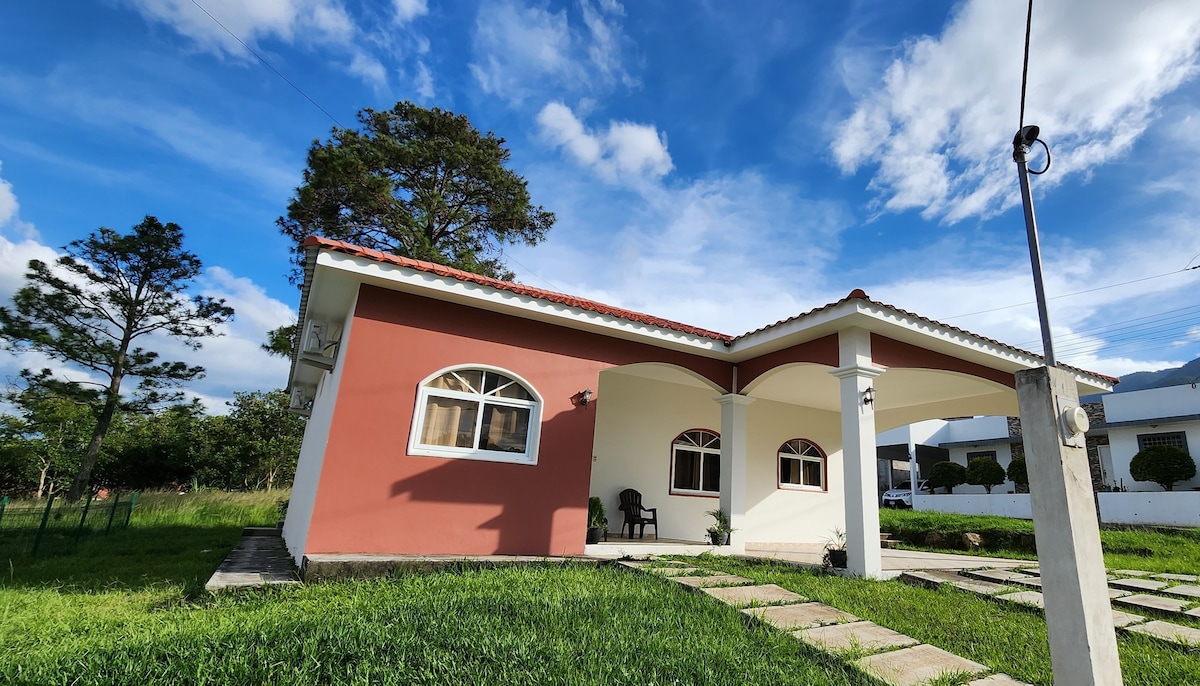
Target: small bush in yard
[1165, 465]
[986, 472]
[1018, 474]
[947, 475]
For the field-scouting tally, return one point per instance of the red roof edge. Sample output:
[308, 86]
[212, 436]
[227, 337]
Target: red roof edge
[517, 288]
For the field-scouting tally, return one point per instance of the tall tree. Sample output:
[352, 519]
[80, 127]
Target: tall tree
[90, 310]
[420, 183]
[267, 437]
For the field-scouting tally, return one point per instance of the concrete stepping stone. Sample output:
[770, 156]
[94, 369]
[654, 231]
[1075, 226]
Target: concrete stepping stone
[1152, 602]
[1036, 571]
[1169, 632]
[1190, 578]
[765, 594]
[1138, 584]
[1031, 598]
[936, 578]
[1194, 612]
[1130, 572]
[864, 636]
[1185, 591]
[802, 616]
[1029, 581]
[673, 571]
[997, 680]
[1118, 593]
[996, 575]
[1124, 619]
[916, 665]
[714, 580]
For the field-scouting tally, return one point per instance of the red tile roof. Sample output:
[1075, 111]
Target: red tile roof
[630, 315]
[518, 288]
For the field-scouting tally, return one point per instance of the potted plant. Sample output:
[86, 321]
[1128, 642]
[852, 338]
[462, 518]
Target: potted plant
[597, 520]
[835, 550]
[718, 533]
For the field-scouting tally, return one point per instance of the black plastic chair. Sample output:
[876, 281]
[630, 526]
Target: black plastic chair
[631, 505]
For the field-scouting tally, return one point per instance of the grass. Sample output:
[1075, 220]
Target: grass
[1154, 550]
[128, 607]
[1007, 638]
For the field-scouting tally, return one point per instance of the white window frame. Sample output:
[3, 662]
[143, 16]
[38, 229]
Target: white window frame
[820, 458]
[532, 440]
[706, 453]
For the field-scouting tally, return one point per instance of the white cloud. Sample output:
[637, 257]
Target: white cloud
[423, 83]
[520, 50]
[369, 70]
[623, 153]
[305, 21]
[937, 132]
[8, 202]
[407, 10]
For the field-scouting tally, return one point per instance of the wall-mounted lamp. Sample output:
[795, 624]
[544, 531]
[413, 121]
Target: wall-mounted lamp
[585, 397]
[869, 395]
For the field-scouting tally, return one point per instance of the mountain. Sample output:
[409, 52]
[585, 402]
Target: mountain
[1137, 381]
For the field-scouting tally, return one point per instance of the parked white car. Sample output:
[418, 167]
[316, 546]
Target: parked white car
[901, 495]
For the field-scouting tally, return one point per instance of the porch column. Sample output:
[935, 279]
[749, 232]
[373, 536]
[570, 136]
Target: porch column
[858, 453]
[733, 465]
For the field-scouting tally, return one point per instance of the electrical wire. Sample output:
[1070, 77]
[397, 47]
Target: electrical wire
[1068, 295]
[267, 64]
[1025, 65]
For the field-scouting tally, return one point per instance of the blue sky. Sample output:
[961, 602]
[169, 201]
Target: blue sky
[725, 166]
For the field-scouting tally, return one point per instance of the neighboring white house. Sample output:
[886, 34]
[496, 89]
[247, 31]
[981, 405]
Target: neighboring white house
[1155, 416]
[958, 440]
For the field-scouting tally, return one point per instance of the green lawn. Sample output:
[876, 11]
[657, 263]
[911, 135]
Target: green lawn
[128, 607]
[1155, 550]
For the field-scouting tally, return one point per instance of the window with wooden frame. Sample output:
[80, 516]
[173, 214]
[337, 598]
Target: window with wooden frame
[802, 466]
[696, 463]
[477, 413]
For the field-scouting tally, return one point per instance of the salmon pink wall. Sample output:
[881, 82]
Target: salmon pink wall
[375, 498]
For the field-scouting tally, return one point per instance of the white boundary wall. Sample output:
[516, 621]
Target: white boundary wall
[1164, 508]
[998, 504]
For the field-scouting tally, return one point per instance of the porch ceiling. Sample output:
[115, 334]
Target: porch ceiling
[898, 391]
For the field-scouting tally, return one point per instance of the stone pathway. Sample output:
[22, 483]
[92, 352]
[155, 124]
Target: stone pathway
[889, 656]
[259, 559]
[1162, 594]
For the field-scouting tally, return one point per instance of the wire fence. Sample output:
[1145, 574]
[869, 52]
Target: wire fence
[57, 526]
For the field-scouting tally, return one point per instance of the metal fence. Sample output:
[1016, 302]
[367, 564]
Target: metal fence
[57, 526]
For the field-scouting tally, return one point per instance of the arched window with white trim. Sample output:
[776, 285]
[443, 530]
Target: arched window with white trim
[696, 463]
[478, 413]
[802, 466]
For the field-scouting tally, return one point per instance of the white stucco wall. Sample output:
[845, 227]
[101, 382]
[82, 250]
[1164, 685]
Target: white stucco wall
[1001, 505]
[1144, 407]
[636, 421]
[312, 454]
[1177, 508]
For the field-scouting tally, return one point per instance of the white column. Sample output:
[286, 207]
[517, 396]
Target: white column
[733, 465]
[1083, 645]
[858, 453]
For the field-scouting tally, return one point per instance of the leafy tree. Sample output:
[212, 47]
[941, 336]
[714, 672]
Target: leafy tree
[52, 433]
[155, 450]
[1165, 465]
[107, 292]
[268, 437]
[986, 472]
[1018, 473]
[947, 475]
[420, 183]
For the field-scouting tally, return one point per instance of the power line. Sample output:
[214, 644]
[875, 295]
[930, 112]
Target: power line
[267, 64]
[1136, 323]
[1068, 295]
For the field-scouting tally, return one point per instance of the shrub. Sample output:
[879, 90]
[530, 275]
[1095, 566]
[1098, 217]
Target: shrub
[1017, 473]
[947, 475]
[597, 518]
[986, 472]
[1165, 465]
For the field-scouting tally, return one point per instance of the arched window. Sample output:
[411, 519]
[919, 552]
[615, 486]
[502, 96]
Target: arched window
[696, 463]
[477, 413]
[802, 466]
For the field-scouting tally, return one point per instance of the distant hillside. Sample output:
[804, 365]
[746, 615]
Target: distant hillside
[1138, 381]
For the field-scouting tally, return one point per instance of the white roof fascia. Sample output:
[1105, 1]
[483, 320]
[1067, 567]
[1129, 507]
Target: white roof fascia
[398, 278]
